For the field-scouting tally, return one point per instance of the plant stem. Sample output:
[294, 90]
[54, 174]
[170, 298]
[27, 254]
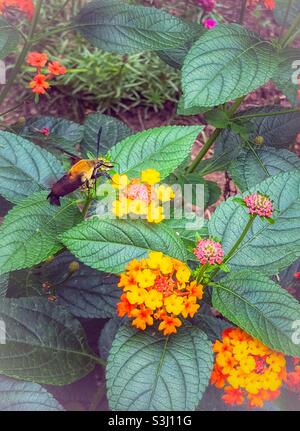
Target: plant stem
[291, 33]
[87, 204]
[285, 18]
[237, 244]
[213, 138]
[267, 114]
[243, 234]
[243, 11]
[23, 53]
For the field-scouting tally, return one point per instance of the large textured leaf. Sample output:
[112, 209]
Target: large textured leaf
[278, 131]
[25, 168]
[286, 69]
[269, 248]
[152, 372]
[119, 27]
[175, 57]
[44, 343]
[9, 38]
[281, 11]
[3, 284]
[113, 131]
[108, 245]
[254, 166]
[162, 148]
[29, 233]
[63, 134]
[24, 396]
[260, 307]
[225, 63]
[208, 323]
[107, 336]
[86, 292]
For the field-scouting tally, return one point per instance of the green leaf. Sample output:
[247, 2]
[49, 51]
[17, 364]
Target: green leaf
[280, 12]
[286, 69]
[175, 57]
[152, 372]
[44, 343]
[113, 131]
[212, 326]
[266, 247]
[24, 396]
[107, 336]
[25, 168]
[260, 307]
[254, 166]
[108, 245]
[162, 148]
[9, 38]
[225, 63]
[29, 233]
[119, 27]
[3, 284]
[279, 131]
[219, 119]
[193, 110]
[63, 134]
[86, 293]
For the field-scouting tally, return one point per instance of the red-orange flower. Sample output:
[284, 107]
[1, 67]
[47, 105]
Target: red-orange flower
[56, 69]
[233, 396]
[37, 59]
[269, 4]
[39, 85]
[249, 369]
[159, 289]
[24, 6]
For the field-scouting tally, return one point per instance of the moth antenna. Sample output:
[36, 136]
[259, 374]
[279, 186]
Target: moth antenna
[98, 141]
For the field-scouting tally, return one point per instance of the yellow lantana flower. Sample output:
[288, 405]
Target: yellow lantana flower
[183, 274]
[146, 278]
[154, 259]
[154, 299]
[150, 176]
[120, 181]
[136, 296]
[174, 304]
[165, 193]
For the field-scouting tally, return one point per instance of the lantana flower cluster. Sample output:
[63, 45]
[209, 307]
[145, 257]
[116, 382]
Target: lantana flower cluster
[158, 289]
[259, 204]
[209, 252]
[142, 196]
[40, 83]
[24, 6]
[247, 369]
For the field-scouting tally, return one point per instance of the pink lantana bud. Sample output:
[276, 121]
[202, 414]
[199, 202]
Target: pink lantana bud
[209, 23]
[207, 5]
[259, 204]
[297, 274]
[209, 251]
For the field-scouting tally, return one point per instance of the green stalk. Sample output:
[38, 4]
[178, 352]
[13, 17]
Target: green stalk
[236, 245]
[241, 238]
[213, 137]
[243, 11]
[285, 18]
[291, 34]
[267, 114]
[22, 56]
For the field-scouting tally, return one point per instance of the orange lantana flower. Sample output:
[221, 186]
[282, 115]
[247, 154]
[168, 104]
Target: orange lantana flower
[24, 6]
[39, 85]
[37, 59]
[158, 288]
[56, 69]
[249, 369]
